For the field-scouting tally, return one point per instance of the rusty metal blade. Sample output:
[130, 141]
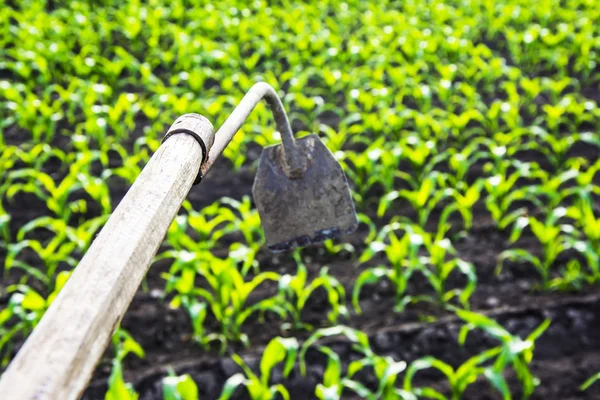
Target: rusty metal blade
[297, 212]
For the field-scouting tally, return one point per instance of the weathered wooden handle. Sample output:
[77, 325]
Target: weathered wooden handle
[59, 357]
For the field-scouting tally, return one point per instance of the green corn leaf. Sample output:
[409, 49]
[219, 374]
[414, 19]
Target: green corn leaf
[117, 388]
[5, 315]
[386, 201]
[358, 388]
[364, 219]
[484, 323]
[333, 371]
[197, 312]
[372, 249]
[33, 301]
[518, 255]
[281, 390]
[251, 376]
[426, 363]
[131, 346]
[277, 350]
[358, 337]
[358, 365]
[498, 381]
[590, 381]
[467, 373]
[231, 384]
[179, 388]
[429, 393]
[368, 277]
[185, 283]
[537, 332]
[468, 270]
[520, 224]
[389, 376]
[327, 392]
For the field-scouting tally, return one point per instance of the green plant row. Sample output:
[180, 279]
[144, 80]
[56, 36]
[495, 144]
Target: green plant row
[394, 379]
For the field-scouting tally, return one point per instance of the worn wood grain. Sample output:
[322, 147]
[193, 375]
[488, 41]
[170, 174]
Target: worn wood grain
[58, 359]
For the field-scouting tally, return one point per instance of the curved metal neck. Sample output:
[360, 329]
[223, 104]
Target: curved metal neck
[293, 160]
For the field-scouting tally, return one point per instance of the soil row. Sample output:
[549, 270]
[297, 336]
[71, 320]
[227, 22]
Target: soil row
[566, 354]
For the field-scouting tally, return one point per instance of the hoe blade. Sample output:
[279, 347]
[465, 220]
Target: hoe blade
[297, 212]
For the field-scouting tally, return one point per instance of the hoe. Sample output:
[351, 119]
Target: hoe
[302, 197]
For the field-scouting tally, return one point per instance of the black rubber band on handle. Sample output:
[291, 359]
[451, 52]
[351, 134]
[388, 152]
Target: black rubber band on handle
[199, 140]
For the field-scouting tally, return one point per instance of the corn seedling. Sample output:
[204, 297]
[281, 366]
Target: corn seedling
[198, 231]
[4, 227]
[502, 193]
[278, 350]
[553, 237]
[458, 379]
[550, 193]
[402, 254]
[555, 147]
[247, 222]
[334, 384]
[514, 351]
[424, 199]
[226, 297]
[58, 250]
[585, 179]
[296, 291]
[25, 308]
[179, 387]
[460, 162]
[437, 266]
[123, 345]
[571, 278]
[423, 157]
[56, 196]
[377, 164]
[385, 369]
[465, 198]
[130, 168]
[405, 259]
[37, 156]
[583, 214]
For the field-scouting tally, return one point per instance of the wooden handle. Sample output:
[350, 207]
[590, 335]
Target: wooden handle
[59, 357]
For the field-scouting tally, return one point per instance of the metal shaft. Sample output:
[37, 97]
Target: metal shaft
[295, 164]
